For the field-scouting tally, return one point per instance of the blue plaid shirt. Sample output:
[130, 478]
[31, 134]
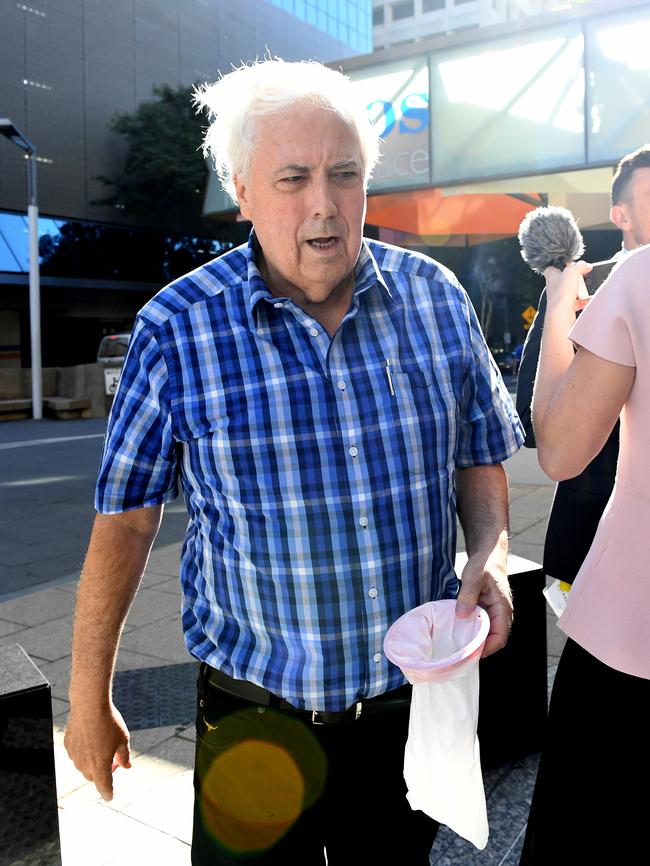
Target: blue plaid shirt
[318, 473]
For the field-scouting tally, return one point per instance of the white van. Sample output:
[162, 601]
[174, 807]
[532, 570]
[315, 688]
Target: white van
[111, 354]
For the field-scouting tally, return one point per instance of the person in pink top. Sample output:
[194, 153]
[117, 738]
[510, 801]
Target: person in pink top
[585, 808]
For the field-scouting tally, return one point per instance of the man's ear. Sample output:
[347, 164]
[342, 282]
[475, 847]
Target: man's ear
[619, 216]
[241, 190]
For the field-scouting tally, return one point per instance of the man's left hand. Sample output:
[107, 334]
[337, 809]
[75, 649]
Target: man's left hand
[485, 582]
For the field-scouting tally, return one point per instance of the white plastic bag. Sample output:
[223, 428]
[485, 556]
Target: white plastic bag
[438, 653]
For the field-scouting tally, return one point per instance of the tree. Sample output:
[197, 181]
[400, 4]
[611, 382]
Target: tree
[164, 173]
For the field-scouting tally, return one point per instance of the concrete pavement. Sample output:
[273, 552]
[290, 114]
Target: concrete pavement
[151, 811]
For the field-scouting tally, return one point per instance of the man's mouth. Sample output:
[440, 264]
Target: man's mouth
[323, 243]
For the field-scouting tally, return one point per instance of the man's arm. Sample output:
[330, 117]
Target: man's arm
[96, 737]
[482, 501]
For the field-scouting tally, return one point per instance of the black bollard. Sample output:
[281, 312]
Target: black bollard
[513, 694]
[29, 824]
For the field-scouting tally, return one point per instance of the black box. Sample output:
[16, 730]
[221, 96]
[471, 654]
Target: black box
[513, 695]
[29, 823]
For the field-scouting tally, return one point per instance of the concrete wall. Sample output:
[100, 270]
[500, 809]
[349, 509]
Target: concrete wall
[82, 382]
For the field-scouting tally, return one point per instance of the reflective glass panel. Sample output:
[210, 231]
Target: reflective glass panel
[13, 228]
[396, 96]
[514, 106]
[619, 85]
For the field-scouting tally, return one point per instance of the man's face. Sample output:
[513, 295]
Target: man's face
[305, 196]
[632, 214]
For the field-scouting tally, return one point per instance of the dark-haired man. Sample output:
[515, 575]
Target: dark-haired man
[630, 211]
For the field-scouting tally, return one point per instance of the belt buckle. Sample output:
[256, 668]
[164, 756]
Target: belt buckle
[316, 714]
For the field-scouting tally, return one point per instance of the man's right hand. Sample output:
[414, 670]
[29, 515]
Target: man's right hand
[97, 744]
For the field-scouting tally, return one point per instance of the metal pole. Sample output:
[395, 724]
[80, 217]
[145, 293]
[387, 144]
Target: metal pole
[34, 290]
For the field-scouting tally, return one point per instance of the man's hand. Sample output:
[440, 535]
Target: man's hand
[482, 493]
[485, 582]
[97, 744]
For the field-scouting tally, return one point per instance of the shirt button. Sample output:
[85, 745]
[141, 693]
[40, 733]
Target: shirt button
[376, 657]
[363, 521]
[340, 385]
[372, 592]
[314, 332]
[278, 306]
[353, 451]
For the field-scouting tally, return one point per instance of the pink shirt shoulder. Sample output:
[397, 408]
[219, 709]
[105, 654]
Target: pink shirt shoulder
[609, 604]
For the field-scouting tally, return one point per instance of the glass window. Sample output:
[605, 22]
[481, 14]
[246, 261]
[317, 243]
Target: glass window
[378, 16]
[489, 121]
[397, 99]
[8, 261]
[13, 230]
[432, 5]
[619, 85]
[402, 10]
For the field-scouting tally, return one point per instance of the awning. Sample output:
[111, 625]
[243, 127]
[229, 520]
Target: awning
[434, 212]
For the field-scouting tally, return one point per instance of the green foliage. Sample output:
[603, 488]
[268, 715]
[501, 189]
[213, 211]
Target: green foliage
[164, 169]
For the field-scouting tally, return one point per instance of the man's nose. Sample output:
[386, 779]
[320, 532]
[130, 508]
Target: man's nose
[324, 200]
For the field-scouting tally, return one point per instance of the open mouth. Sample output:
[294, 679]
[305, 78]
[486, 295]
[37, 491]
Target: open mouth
[322, 243]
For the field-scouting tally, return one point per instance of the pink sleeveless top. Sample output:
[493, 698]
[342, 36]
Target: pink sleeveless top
[608, 612]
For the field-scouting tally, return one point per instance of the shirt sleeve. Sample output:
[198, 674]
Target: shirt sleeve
[603, 327]
[490, 430]
[139, 465]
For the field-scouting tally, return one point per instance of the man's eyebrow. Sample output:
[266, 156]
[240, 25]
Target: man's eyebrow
[305, 169]
[347, 163]
[292, 166]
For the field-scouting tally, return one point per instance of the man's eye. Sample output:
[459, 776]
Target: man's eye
[294, 178]
[347, 175]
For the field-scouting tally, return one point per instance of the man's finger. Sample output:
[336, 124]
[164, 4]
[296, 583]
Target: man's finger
[104, 784]
[122, 757]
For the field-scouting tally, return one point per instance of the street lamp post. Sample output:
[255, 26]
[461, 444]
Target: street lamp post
[10, 131]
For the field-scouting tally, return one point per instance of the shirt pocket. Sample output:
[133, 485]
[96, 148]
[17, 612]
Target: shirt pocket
[425, 409]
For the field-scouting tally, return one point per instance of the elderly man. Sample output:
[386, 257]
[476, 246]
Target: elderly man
[323, 402]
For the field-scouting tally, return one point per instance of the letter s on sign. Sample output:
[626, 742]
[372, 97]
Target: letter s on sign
[414, 108]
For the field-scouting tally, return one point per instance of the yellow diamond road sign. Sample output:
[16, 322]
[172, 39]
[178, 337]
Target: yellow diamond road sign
[529, 314]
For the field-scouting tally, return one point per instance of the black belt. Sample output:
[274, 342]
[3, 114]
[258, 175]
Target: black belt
[393, 700]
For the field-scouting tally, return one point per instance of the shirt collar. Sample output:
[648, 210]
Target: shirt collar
[366, 275]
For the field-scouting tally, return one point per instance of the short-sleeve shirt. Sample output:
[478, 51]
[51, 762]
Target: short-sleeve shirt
[608, 612]
[318, 472]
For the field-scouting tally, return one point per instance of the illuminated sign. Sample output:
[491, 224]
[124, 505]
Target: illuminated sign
[397, 99]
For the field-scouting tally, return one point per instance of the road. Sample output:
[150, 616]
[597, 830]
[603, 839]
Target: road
[47, 477]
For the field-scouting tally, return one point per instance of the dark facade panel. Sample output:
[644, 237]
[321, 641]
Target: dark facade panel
[88, 59]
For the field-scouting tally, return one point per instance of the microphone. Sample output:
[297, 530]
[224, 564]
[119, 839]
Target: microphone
[550, 236]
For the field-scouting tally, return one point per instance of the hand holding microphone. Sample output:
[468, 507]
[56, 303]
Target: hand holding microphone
[550, 241]
[567, 288]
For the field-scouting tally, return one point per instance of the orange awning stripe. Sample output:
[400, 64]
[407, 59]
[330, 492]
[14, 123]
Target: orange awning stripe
[429, 212]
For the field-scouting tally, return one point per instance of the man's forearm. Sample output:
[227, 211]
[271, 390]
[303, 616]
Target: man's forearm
[116, 558]
[482, 502]
[482, 496]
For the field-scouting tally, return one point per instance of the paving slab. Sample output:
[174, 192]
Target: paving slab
[97, 835]
[162, 639]
[7, 628]
[508, 792]
[150, 605]
[30, 610]
[49, 640]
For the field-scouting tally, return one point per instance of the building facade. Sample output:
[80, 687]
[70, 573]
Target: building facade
[66, 68]
[399, 22]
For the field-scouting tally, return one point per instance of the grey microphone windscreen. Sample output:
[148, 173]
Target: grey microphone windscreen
[550, 236]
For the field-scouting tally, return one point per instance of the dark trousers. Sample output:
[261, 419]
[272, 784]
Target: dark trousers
[272, 788]
[590, 804]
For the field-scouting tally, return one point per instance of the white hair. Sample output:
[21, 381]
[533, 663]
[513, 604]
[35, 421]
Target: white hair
[269, 87]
